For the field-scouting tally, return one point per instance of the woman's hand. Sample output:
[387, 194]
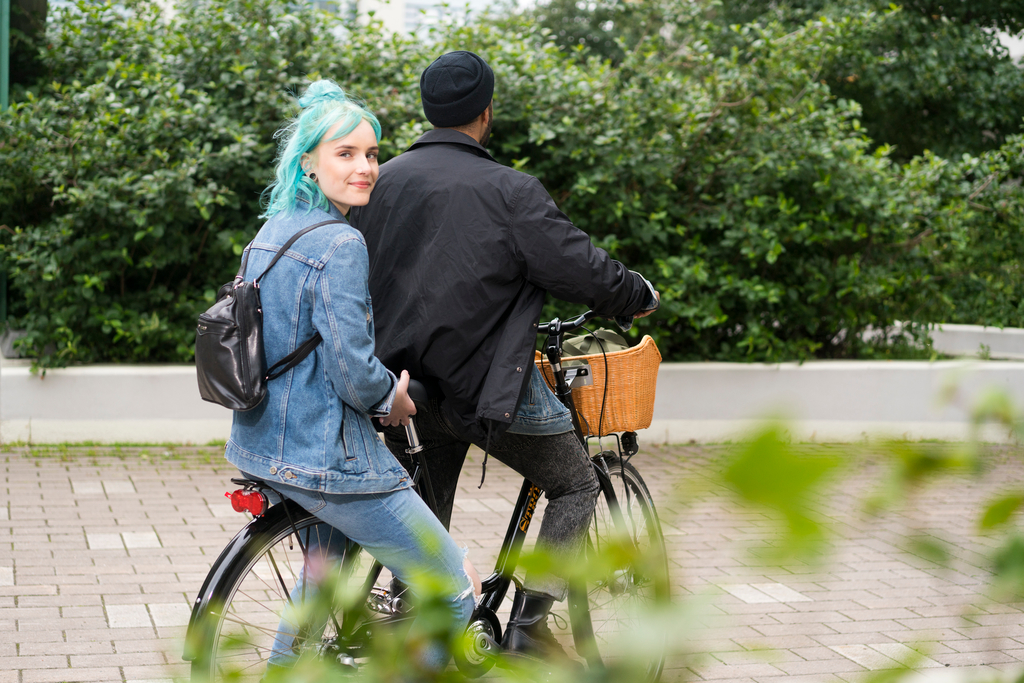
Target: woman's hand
[402, 407]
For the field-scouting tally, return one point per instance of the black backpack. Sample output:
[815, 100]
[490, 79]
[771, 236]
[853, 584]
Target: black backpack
[230, 363]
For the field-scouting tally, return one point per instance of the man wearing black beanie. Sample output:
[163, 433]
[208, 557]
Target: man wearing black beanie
[462, 253]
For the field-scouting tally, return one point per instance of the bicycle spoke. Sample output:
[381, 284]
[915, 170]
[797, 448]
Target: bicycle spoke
[262, 629]
[271, 585]
[284, 589]
[256, 648]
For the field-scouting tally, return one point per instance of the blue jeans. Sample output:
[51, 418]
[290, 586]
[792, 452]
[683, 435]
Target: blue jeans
[401, 532]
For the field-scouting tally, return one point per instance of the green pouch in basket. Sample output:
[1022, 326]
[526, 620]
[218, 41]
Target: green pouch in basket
[586, 344]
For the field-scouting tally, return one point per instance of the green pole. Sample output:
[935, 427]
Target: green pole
[5, 86]
[5, 52]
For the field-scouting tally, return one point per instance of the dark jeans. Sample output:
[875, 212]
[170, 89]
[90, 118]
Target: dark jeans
[557, 464]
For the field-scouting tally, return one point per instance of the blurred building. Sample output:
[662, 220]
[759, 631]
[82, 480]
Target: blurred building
[406, 16]
[409, 16]
[1015, 46]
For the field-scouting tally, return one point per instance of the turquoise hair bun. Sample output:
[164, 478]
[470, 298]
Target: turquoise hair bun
[325, 109]
[320, 92]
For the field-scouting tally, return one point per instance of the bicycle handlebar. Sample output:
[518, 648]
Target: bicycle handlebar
[556, 325]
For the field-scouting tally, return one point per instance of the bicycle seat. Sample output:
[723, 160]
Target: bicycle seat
[421, 392]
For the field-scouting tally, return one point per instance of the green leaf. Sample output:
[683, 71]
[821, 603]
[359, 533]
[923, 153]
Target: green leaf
[1000, 511]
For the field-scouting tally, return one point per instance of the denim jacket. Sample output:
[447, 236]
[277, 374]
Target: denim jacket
[313, 430]
[540, 413]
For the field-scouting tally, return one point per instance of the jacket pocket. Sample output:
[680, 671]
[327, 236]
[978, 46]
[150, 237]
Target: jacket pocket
[355, 457]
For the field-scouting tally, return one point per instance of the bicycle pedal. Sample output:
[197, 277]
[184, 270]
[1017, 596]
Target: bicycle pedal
[485, 643]
[347, 661]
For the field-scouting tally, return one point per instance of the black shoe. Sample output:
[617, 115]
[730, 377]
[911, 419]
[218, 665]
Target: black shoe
[528, 635]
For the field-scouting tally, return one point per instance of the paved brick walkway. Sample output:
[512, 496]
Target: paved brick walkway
[102, 552]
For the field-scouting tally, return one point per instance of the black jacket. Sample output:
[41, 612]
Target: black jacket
[462, 250]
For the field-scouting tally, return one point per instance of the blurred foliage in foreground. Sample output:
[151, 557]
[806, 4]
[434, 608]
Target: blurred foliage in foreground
[718, 159]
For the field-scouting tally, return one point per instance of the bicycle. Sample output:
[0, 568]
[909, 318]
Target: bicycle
[236, 615]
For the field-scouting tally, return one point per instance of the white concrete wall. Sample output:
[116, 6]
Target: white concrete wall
[972, 340]
[825, 401]
[107, 404]
[828, 400]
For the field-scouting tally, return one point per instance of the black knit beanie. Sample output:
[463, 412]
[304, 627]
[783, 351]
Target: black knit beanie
[456, 88]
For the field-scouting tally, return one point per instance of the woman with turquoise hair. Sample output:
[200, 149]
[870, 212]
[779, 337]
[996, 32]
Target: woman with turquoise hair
[311, 439]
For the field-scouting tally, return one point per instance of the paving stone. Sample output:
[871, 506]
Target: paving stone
[159, 672]
[867, 657]
[975, 658]
[836, 664]
[115, 487]
[747, 593]
[33, 662]
[127, 616]
[70, 675]
[905, 656]
[104, 541]
[120, 659]
[781, 592]
[141, 539]
[175, 614]
[61, 648]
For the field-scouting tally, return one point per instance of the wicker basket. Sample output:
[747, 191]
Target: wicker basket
[630, 402]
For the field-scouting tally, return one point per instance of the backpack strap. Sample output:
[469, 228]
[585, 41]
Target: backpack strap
[289, 243]
[294, 358]
[245, 261]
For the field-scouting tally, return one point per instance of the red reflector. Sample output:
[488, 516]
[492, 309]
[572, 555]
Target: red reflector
[253, 502]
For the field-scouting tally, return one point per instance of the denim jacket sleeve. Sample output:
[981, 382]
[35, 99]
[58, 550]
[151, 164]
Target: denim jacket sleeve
[342, 315]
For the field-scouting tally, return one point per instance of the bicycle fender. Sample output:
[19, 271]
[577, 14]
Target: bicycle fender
[233, 553]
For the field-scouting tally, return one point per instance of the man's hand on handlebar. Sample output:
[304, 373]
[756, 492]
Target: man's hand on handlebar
[644, 314]
[402, 407]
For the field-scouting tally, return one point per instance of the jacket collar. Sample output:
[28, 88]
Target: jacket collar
[335, 212]
[452, 137]
[331, 210]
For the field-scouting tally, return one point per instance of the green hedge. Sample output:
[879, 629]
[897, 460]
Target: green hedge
[735, 180]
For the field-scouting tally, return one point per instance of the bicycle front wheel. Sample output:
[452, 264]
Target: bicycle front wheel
[608, 612]
[264, 607]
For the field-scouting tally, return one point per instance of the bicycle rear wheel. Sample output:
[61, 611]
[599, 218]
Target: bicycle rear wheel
[608, 612]
[239, 631]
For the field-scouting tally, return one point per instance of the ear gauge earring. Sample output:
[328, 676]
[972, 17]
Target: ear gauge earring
[312, 176]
